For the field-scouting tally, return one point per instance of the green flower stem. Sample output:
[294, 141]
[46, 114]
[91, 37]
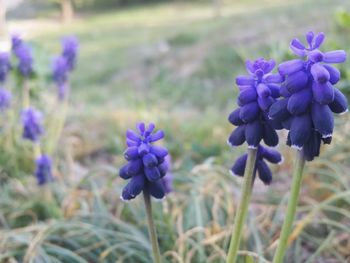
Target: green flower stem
[291, 209]
[151, 227]
[243, 206]
[25, 94]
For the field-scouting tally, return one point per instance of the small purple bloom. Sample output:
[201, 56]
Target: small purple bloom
[25, 59]
[16, 41]
[5, 99]
[5, 66]
[264, 172]
[43, 170]
[258, 91]
[309, 94]
[60, 72]
[32, 121]
[146, 163]
[70, 47]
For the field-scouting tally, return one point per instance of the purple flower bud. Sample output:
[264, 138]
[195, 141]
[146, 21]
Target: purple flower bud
[146, 164]
[167, 179]
[336, 56]
[265, 103]
[246, 96]
[264, 171]
[272, 155]
[278, 110]
[323, 93]
[237, 137]
[300, 130]
[60, 70]
[70, 50]
[253, 133]
[299, 102]
[5, 66]
[234, 118]
[296, 81]
[270, 136]
[334, 74]
[249, 112]
[16, 41]
[322, 119]
[239, 166]
[320, 73]
[5, 99]
[43, 170]
[32, 121]
[340, 103]
[290, 67]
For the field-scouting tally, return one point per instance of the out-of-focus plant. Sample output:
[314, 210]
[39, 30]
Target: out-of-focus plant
[25, 135]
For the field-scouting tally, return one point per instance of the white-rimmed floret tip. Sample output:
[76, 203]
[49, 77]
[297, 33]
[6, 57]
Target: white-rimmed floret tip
[281, 162]
[297, 147]
[327, 136]
[342, 113]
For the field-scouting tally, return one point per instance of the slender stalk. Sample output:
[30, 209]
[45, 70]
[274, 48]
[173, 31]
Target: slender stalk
[243, 207]
[291, 209]
[151, 227]
[25, 94]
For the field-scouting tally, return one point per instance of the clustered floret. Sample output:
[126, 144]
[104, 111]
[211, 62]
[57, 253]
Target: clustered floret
[146, 163]
[43, 170]
[309, 95]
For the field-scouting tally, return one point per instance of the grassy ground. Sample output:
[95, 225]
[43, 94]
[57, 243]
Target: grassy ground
[175, 64]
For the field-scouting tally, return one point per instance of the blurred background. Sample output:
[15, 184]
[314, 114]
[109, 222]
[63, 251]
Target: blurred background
[174, 63]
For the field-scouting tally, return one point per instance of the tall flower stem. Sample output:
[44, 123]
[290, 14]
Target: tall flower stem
[243, 206]
[25, 94]
[151, 227]
[291, 209]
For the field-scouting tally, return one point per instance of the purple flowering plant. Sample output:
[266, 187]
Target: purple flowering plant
[309, 95]
[146, 164]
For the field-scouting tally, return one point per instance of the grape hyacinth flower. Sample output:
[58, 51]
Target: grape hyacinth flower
[306, 110]
[257, 92]
[5, 99]
[24, 55]
[309, 95]
[43, 170]
[146, 163]
[16, 41]
[263, 154]
[32, 121]
[70, 50]
[5, 66]
[145, 168]
[60, 72]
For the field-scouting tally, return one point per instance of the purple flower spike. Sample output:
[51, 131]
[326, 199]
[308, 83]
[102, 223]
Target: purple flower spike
[5, 99]
[5, 66]
[25, 60]
[43, 170]
[147, 163]
[259, 91]
[264, 154]
[70, 47]
[309, 95]
[32, 122]
[167, 180]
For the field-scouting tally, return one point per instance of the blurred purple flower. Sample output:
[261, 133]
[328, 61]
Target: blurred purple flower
[5, 99]
[60, 72]
[309, 95]
[258, 91]
[43, 170]
[24, 55]
[70, 46]
[16, 41]
[32, 121]
[264, 172]
[146, 163]
[5, 65]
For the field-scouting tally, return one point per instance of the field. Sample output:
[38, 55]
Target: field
[174, 64]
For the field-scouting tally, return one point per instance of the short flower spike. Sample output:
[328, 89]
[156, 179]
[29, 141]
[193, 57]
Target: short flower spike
[32, 121]
[43, 170]
[146, 163]
[258, 91]
[309, 95]
[5, 66]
